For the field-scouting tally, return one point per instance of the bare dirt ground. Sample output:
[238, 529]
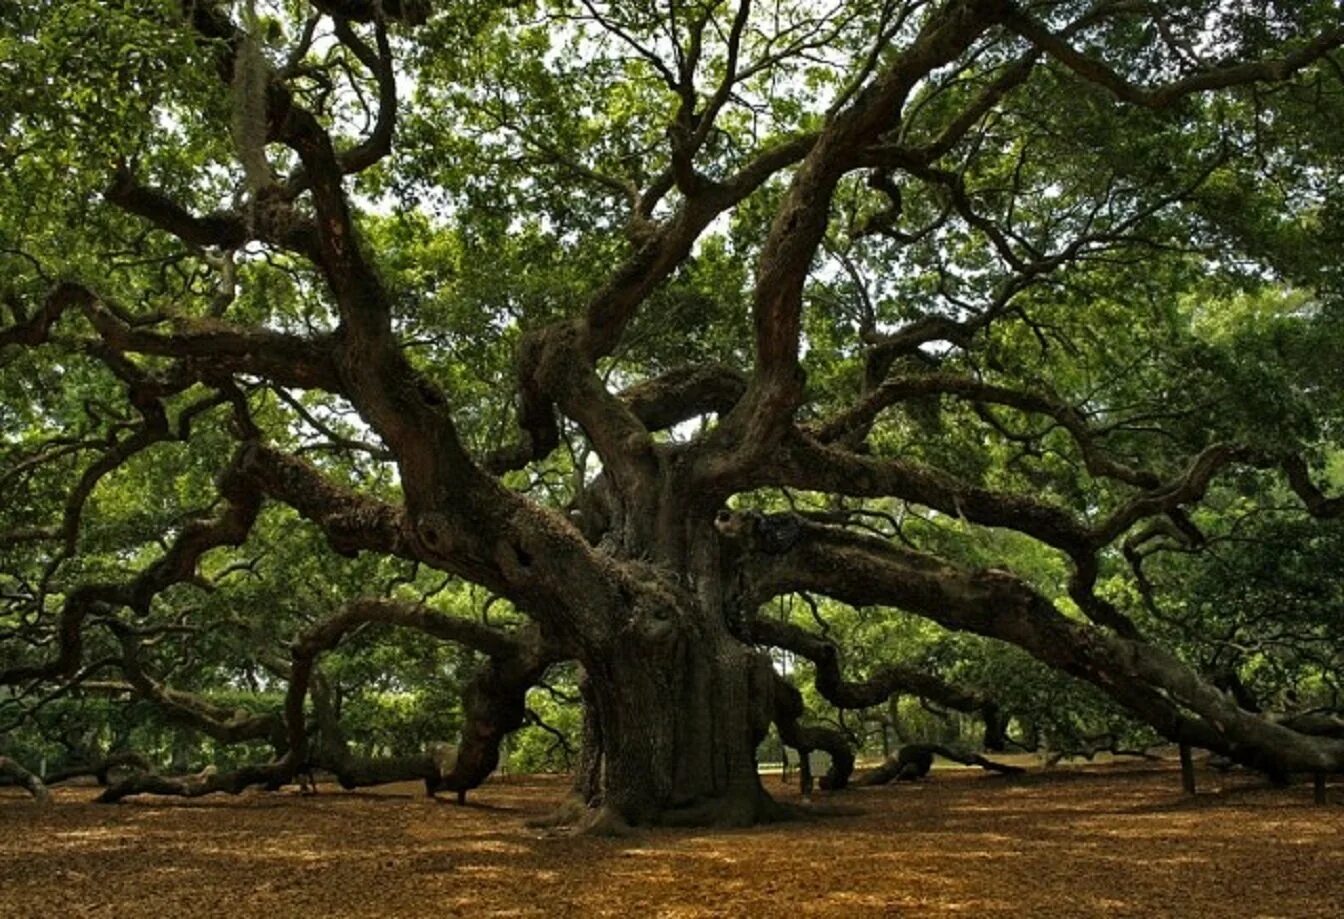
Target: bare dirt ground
[1115, 840]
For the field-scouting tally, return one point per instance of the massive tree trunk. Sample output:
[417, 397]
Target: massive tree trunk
[675, 702]
[678, 709]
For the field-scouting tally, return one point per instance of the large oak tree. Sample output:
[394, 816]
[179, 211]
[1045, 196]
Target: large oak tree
[567, 300]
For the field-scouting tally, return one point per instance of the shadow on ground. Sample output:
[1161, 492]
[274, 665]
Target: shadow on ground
[1082, 841]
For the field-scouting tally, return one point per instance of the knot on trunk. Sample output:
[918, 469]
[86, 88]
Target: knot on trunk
[434, 532]
[753, 531]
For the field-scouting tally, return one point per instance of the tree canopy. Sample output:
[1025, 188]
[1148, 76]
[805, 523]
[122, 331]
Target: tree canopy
[378, 372]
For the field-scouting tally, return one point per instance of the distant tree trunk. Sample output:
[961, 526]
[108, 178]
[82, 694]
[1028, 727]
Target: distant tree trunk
[996, 729]
[805, 774]
[1187, 770]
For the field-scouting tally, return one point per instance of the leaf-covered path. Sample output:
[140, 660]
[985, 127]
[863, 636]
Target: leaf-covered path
[1114, 840]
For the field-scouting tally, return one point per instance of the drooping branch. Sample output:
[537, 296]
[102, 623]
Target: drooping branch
[224, 724]
[14, 771]
[806, 463]
[1317, 504]
[787, 714]
[207, 782]
[1153, 683]
[913, 761]
[494, 704]
[884, 682]
[178, 564]
[224, 229]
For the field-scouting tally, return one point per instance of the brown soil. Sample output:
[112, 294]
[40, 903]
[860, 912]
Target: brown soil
[1111, 839]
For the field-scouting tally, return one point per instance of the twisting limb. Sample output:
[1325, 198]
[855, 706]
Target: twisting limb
[13, 771]
[913, 761]
[208, 781]
[1148, 680]
[227, 725]
[787, 716]
[178, 564]
[1317, 504]
[493, 704]
[886, 681]
[555, 363]
[761, 421]
[205, 351]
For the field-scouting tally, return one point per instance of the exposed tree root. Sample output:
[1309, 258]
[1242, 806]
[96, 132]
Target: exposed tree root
[568, 813]
[739, 810]
[576, 818]
[814, 810]
[603, 821]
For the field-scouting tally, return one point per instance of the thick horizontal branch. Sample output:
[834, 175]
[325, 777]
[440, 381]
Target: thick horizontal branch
[222, 229]
[684, 393]
[210, 781]
[1157, 686]
[205, 350]
[352, 522]
[806, 463]
[466, 632]
[898, 389]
